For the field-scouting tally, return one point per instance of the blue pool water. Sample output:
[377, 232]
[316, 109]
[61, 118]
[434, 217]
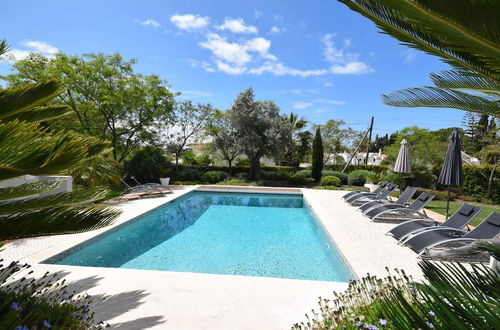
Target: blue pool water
[219, 233]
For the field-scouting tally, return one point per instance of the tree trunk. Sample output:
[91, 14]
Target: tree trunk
[490, 181]
[254, 174]
[229, 165]
[177, 163]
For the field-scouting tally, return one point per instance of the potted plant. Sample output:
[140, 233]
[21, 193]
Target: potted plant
[374, 179]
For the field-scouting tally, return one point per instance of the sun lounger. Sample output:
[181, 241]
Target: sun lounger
[398, 213]
[442, 237]
[402, 200]
[376, 191]
[465, 214]
[362, 198]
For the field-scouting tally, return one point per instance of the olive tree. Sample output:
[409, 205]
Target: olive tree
[260, 129]
[224, 139]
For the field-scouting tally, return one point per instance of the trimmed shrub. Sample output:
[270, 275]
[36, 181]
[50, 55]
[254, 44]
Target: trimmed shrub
[350, 168]
[440, 195]
[297, 180]
[214, 176]
[357, 178]
[275, 176]
[304, 173]
[190, 174]
[330, 180]
[338, 174]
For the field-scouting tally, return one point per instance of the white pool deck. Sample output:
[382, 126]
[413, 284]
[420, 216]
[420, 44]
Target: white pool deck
[144, 299]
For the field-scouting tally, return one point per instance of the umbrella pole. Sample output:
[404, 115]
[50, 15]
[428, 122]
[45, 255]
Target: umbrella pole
[448, 202]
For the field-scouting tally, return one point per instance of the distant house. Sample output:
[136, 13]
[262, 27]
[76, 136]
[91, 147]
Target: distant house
[374, 158]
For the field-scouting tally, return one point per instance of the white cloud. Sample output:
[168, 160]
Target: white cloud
[278, 17]
[354, 67]
[40, 46]
[275, 29]
[230, 52]
[328, 84]
[279, 69]
[343, 62]
[34, 46]
[237, 25]
[149, 22]
[230, 69]
[189, 21]
[319, 111]
[298, 91]
[329, 101]
[257, 14]
[409, 55]
[201, 64]
[301, 105]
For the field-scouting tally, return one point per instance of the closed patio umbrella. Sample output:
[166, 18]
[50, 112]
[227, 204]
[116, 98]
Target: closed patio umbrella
[451, 173]
[402, 164]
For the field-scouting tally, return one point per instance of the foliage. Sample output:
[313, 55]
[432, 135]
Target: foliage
[190, 174]
[299, 145]
[107, 98]
[440, 195]
[41, 303]
[342, 176]
[242, 162]
[297, 180]
[260, 130]
[374, 177]
[336, 139]
[187, 124]
[224, 137]
[147, 165]
[380, 142]
[275, 176]
[330, 180]
[357, 178]
[189, 158]
[452, 296]
[214, 176]
[317, 156]
[29, 148]
[304, 173]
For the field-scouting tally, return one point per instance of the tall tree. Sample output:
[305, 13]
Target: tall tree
[26, 147]
[317, 156]
[186, 125]
[260, 130]
[336, 139]
[300, 141]
[107, 98]
[224, 137]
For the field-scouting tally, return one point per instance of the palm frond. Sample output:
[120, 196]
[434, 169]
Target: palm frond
[19, 99]
[53, 201]
[56, 221]
[465, 80]
[29, 189]
[27, 148]
[434, 97]
[465, 35]
[4, 48]
[39, 114]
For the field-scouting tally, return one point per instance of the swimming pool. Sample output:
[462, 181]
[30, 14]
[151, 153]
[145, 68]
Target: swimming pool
[220, 233]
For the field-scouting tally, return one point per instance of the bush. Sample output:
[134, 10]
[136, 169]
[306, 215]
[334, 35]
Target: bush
[42, 303]
[189, 174]
[330, 180]
[375, 177]
[357, 178]
[242, 162]
[338, 174]
[148, 165]
[214, 176]
[275, 176]
[304, 173]
[298, 180]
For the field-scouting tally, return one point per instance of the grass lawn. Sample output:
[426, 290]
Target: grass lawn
[440, 207]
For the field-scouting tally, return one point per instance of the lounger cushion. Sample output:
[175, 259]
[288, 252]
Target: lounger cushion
[494, 222]
[466, 210]
[423, 198]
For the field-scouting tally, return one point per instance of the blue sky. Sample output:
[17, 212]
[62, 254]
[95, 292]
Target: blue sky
[318, 58]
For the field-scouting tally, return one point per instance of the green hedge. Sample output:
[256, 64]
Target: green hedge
[350, 168]
[357, 178]
[330, 180]
[214, 176]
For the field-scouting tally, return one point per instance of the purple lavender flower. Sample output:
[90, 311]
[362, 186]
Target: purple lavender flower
[382, 322]
[74, 315]
[47, 324]
[429, 324]
[371, 327]
[15, 306]
[359, 324]
[432, 314]
[84, 317]
[21, 327]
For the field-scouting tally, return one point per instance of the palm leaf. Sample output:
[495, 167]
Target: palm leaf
[465, 80]
[439, 29]
[39, 114]
[4, 48]
[433, 97]
[29, 189]
[54, 201]
[18, 99]
[56, 221]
